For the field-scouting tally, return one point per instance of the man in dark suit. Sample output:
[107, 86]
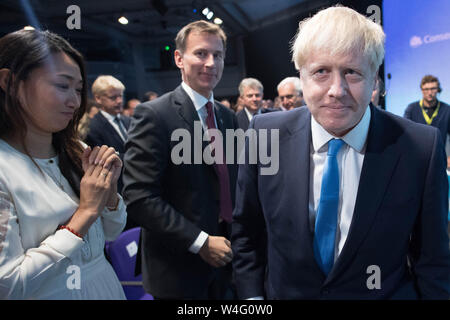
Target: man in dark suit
[184, 207]
[251, 92]
[109, 127]
[358, 208]
[429, 110]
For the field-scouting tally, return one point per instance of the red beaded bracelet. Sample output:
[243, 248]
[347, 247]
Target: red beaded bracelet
[71, 230]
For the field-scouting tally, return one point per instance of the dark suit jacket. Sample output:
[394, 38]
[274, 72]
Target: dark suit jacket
[442, 121]
[242, 119]
[101, 132]
[400, 211]
[173, 203]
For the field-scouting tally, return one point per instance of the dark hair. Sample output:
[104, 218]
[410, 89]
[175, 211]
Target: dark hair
[149, 94]
[21, 52]
[199, 26]
[429, 78]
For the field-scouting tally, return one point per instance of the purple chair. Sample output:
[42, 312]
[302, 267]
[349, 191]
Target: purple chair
[122, 254]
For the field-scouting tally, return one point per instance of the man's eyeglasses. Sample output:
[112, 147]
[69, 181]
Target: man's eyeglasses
[114, 98]
[430, 89]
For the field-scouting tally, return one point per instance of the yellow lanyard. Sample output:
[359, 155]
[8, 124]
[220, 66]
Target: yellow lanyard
[425, 114]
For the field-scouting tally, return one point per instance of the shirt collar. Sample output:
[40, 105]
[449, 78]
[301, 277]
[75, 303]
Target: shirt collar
[355, 138]
[249, 114]
[198, 100]
[108, 116]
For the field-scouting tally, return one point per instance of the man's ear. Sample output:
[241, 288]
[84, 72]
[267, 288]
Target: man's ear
[375, 81]
[4, 74]
[97, 99]
[178, 57]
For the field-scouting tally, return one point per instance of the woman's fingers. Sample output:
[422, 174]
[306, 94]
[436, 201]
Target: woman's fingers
[85, 158]
[113, 161]
[104, 153]
[93, 155]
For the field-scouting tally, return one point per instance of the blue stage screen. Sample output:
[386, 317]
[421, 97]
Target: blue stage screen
[417, 44]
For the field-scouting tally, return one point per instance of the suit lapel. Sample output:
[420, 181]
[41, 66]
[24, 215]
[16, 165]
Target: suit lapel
[296, 156]
[185, 107]
[379, 163]
[112, 132]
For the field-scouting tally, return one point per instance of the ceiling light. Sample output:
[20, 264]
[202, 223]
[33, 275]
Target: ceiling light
[205, 11]
[28, 28]
[209, 15]
[123, 20]
[218, 21]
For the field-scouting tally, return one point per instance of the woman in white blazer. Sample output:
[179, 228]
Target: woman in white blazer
[58, 199]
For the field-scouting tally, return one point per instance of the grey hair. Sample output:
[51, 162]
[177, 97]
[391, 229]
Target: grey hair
[295, 81]
[252, 83]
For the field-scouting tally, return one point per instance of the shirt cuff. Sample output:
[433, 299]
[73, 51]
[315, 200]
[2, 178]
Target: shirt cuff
[64, 241]
[198, 243]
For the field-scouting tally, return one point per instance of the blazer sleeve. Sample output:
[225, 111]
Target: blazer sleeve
[145, 164]
[248, 238]
[24, 271]
[429, 247]
[94, 135]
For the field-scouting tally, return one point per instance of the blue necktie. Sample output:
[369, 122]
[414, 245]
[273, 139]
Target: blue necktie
[326, 218]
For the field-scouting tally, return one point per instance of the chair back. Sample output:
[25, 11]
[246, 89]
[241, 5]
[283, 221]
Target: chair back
[122, 255]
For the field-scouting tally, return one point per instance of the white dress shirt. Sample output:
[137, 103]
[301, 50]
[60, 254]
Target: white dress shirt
[115, 125]
[350, 161]
[249, 114]
[199, 102]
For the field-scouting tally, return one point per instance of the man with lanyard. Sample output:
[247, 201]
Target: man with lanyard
[429, 110]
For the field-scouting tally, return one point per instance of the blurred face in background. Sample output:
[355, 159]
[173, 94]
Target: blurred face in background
[429, 92]
[252, 99]
[289, 96]
[111, 101]
[131, 105]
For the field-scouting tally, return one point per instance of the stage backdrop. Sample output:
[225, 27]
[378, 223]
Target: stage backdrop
[417, 43]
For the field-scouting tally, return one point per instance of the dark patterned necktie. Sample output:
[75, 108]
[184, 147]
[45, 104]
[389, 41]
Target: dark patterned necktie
[121, 127]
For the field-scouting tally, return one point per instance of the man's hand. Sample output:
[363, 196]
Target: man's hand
[216, 251]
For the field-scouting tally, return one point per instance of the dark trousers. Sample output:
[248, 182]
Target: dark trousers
[221, 287]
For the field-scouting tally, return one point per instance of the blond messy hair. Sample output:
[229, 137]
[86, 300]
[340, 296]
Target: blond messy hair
[338, 30]
[103, 83]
